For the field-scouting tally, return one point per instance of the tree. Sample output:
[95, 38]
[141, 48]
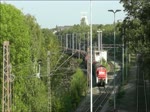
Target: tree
[37, 52]
[25, 39]
[78, 87]
[14, 29]
[137, 26]
[36, 38]
[28, 43]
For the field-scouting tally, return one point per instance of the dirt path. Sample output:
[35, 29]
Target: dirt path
[128, 102]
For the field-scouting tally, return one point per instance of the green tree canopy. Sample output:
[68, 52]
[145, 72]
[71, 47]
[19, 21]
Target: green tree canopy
[14, 29]
[136, 27]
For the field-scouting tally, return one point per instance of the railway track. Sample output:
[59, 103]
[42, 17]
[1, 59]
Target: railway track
[101, 99]
[142, 100]
[100, 102]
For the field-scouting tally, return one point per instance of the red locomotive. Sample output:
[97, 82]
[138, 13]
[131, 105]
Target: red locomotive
[101, 76]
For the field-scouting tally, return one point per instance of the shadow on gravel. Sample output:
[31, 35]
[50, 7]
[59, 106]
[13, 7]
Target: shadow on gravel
[126, 99]
[127, 103]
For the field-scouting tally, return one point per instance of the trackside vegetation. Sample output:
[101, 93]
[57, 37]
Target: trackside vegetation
[30, 43]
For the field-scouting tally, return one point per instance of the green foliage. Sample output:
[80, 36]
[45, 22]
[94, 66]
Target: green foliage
[27, 45]
[50, 44]
[36, 37]
[78, 87]
[104, 63]
[38, 51]
[57, 104]
[64, 81]
[108, 34]
[14, 29]
[136, 28]
[83, 23]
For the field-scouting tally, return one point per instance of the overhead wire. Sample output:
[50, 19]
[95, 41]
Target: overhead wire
[64, 62]
[59, 58]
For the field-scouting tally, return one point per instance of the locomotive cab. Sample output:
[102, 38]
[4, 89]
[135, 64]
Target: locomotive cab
[101, 76]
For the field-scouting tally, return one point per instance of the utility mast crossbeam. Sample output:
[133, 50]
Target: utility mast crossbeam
[6, 90]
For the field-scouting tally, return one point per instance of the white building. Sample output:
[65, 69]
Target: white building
[84, 18]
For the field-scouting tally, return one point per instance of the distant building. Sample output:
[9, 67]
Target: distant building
[84, 19]
[60, 28]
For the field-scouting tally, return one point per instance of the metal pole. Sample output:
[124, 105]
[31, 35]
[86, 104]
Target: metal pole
[61, 40]
[72, 43]
[66, 41]
[6, 89]
[88, 68]
[79, 45]
[114, 63]
[88, 40]
[76, 42]
[49, 81]
[99, 40]
[114, 12]
[84, 41]
[91, 53]
[123, 57]
[88, 61]
[126, 59]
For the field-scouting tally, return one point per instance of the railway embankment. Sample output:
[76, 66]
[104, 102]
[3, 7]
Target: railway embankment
[126, 96]
[126, 99]
[127, 102]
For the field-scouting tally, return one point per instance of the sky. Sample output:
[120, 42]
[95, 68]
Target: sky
[63, 13]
